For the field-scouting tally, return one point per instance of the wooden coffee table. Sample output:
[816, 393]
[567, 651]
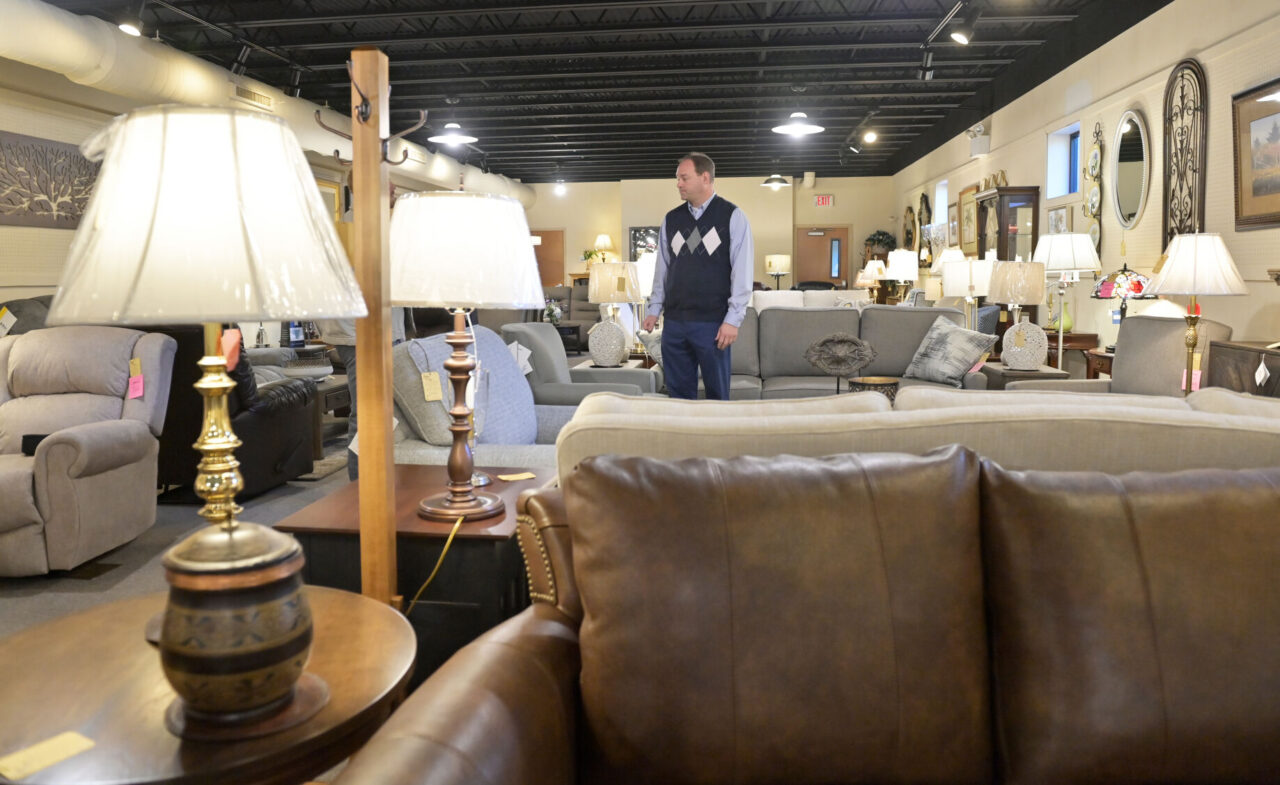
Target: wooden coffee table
[481, 580]
[93, 673]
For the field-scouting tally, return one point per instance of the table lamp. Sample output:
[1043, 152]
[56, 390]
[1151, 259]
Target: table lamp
[603, 244]
[211, 215]
[1125, 284]
[967, 278]
[933, 285]
[611, 283]
[1065, 256]
[1016, 284]
[904, 269]
[777, 265]
[1197, 265]
[871, 276]
[457, 250]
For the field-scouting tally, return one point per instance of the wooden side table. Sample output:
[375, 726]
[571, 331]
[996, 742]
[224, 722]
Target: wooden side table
[95, 674]
[1077, 341]
[885, 385]
[1097, 361]
[331, 393]
[998, 374]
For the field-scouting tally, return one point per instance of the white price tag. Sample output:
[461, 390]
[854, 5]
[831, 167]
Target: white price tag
[1262, 374]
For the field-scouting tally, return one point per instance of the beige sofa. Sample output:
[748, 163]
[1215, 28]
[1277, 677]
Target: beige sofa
[1019, 430]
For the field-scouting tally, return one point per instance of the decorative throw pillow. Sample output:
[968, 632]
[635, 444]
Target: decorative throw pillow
[947, 353]
[652, 344]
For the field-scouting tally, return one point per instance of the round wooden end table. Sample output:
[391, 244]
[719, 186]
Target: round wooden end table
[94, 673]
[885, 385]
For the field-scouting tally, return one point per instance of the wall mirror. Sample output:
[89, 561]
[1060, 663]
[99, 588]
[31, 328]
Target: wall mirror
[1131, 168]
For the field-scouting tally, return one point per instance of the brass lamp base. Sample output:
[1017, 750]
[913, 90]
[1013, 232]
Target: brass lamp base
[445, 507]
[1190, 338]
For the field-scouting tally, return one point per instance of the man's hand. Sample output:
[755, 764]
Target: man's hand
[650, 322]
[726, 335]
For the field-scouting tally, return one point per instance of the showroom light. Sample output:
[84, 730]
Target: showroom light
[131, 24]
[452, 136]
[963, 32]
[776, 182]
[869, 137]
[798, 125]
[926, 66]
[561, 189]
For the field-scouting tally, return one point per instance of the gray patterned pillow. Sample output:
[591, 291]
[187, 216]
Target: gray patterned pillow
[947, 353]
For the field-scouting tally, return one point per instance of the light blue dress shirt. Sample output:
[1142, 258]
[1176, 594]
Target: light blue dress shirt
[742, 257]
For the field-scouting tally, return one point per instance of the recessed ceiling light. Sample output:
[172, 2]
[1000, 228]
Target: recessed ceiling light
[776, 182]
[452, 136]
[798, 125]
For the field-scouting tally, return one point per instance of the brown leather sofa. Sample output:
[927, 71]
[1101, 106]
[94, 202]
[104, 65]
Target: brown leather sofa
[868, 618]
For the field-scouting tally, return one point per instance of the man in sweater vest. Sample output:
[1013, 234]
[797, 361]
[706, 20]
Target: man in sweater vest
[702, 282]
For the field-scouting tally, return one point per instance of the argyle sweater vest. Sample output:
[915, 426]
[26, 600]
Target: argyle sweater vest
[698, 278]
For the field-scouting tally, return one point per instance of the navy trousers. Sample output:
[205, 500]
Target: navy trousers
[688, 346]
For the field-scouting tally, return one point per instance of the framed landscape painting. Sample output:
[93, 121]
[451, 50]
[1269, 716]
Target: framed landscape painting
[1255, 122]
[953, 224]
[969, 221]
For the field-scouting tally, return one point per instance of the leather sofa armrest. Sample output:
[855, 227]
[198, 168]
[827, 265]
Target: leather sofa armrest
[502, 710]
[93, 448]
[643, 378]
[1063, 385]
[572, 393]
[284, 394]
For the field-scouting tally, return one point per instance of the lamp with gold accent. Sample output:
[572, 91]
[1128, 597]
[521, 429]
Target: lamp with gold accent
[603, 244]
[777, 265]
[210, 215]
[904, 269]
[1197, 265]
[967, 278]
[611, 283]
[1016, 284]
[1065, 256]
[869, 277]
[457, 250]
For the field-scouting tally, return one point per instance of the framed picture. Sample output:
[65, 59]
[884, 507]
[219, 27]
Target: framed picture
[1059, 220]
[1255, 123]
[909, 228]
[953, 225]
[642, 239]
[969, 221]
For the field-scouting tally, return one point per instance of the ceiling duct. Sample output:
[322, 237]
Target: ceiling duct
[809, 179]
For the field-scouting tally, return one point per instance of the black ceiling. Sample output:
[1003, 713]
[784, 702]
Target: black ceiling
[617, 90]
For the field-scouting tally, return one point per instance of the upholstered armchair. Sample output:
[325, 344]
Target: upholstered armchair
[554, 382]
[1151, 358]
[78, 443]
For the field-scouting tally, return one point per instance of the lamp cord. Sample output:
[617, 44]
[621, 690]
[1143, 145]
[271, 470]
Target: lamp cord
[434, 570]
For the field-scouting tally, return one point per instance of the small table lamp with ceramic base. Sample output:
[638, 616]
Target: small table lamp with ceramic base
[904, 269]
[1016, 284]
[1197, 265]
[611, 283]
[1064, 257]
[777, 265]
[967, 278]
[456, 250]
[210, 215]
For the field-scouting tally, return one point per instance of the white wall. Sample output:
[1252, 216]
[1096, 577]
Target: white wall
[1238, 43]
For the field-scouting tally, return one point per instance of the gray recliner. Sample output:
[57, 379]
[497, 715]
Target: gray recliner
[554, 382]
[89, 485]
[1151, 358]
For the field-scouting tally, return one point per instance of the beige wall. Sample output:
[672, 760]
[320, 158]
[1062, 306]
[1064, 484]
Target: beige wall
[1237, 43]
[586, 210]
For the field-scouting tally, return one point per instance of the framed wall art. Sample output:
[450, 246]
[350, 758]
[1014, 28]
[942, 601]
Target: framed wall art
[43, 183]
[969, 220]
[953, 225]
[1059, 220]
[1255, 124]
[642, 239]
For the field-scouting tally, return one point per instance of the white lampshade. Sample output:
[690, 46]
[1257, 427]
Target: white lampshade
[777, 263]
[1198, 264]
[604, 242]
[948, 255]
[902, 266]
[203, 214]
[1016, 283]
[1066, 253]
[451, 249]
[965, 277]
[614, 282]
[645, 267]
[874, 271]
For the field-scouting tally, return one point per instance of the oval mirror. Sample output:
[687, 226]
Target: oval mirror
[1130, 168]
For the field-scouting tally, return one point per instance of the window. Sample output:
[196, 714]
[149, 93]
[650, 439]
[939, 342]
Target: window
[1062, 154]
[940, 202]
[835, 257]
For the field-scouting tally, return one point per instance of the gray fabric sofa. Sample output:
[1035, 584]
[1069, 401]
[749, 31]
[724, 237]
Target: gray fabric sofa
[554, 382]
[89, 485]
[767, 361]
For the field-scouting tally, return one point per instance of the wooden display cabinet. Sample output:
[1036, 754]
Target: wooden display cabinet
[1009, 221]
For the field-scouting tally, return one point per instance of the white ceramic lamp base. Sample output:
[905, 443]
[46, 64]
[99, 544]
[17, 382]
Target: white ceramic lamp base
[1025, 347]
[607, 344]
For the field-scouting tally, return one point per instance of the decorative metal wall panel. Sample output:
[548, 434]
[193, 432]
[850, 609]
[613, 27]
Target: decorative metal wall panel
[1186, 132]
[43, 183]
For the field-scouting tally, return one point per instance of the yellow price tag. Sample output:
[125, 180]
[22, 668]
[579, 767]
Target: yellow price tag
[135, 366]
[1004, 316]
[514, 477]
[431, 386]
[25, 762]
[1019, 339]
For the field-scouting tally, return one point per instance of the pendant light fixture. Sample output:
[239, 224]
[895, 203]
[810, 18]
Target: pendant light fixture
[798, 125]
[963, 32]
[452, 136]
[776, 182]
[131, 23]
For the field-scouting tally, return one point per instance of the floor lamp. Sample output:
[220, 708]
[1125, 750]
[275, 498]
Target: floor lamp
[777, 265]
[1197, 265]
[1064, 257]
[211, 215]
[967, 278]
[457, 250]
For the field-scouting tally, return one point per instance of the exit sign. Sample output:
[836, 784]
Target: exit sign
[823, 200]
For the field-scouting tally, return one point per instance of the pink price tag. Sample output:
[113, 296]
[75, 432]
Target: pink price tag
[1195, 380]
[135, 386]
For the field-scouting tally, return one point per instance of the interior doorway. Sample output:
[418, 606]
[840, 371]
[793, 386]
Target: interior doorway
[550, 256]
[822, 254]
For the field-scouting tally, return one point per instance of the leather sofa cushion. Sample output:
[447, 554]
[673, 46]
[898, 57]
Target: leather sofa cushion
[786, 619]
[785, 334]
[1135, 624]
[895, 332]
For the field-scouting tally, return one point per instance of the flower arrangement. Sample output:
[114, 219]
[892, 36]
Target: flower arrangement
[553, 312]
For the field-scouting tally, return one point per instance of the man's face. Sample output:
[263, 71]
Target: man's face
[693, 187]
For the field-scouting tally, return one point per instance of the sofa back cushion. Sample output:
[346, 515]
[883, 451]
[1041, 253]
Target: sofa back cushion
[785, 334]
[1135, 624]
[744, 358]
[729, 637]
[1222, 401]
[1151, 353]
[580, 305]
[784, 298]
[895, 332]
[918, 397]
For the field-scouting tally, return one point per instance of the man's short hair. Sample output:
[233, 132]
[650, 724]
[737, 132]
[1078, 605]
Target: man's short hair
[702, 163]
